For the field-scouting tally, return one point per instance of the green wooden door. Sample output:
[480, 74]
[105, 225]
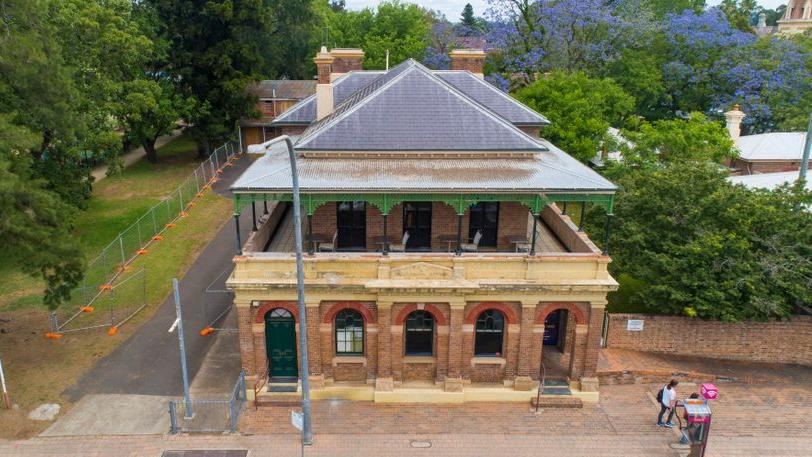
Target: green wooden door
[280, 343]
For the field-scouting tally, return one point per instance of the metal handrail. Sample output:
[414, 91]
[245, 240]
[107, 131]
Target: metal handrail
[259, 384]
[541, 384]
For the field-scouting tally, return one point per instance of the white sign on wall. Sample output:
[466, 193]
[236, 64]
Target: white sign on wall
[297, 420]
[634, 325]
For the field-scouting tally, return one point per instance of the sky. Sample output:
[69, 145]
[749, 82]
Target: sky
[453, 8]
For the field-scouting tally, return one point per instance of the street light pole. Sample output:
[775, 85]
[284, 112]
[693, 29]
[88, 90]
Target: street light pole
[307, 432]
[807, 147]
[182, 343]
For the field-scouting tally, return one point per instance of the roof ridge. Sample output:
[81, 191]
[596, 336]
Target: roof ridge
[350, 104]
[506, 96]
[301, 103]
[478, 104]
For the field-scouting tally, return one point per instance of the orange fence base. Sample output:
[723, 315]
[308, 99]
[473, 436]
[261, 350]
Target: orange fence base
[207, 331]
[112, 330]
[87, 309]
[53, 335]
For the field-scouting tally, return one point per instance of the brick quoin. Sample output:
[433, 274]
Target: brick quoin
[265, 306]
[330, 315]
[505, 309]
[439, 317]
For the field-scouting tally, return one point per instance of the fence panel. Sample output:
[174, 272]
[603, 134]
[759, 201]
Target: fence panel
[110, 267]
[209, 415]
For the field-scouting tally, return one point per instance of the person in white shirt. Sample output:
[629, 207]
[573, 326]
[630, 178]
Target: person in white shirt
[668, 402]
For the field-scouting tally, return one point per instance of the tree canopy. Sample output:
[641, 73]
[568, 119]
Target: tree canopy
[580, 109]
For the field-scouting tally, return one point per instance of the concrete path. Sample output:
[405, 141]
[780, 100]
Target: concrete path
[148, 362]
[749, 420]
[133, 155]
[114, 415]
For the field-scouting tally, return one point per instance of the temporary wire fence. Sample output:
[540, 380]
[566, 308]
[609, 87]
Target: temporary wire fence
[211, 415]
[217, 302]
[114, 261]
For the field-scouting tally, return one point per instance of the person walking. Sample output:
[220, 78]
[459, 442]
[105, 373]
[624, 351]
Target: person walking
[668, 399]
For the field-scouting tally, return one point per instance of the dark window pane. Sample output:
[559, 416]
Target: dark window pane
[419, 333]
[490, 328]
[484, 217]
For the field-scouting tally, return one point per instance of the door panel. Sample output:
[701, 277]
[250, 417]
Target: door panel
[280, 344]
[551, 328]
[417, 220]
[485, 217]
[351, 220]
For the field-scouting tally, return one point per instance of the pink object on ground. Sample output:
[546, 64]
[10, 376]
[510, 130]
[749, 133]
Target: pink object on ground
[709, 391]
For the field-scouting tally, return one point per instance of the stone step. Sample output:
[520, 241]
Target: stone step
[558, 401]
[556, 391]
[278, 398]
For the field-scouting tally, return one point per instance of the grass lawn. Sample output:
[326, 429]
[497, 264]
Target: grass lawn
[37, 369]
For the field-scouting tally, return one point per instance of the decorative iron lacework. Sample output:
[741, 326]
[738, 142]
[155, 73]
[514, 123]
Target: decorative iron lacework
[460, 202]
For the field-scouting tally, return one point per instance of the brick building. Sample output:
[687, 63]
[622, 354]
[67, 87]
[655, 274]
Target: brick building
[441, 264]
[274, 97]
[773, 152]
[797, 17]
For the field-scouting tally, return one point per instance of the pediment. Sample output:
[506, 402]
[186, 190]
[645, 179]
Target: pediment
[421, 270]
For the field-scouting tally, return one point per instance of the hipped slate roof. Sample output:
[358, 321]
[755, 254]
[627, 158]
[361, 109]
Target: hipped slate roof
[772, 146]
[502, 104]
[549, 172]
[411, 109]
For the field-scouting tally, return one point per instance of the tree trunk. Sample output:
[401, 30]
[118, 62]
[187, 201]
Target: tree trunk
[203, 148]
[149, 148]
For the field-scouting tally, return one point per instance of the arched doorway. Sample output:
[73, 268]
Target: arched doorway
[557, 342]
[280, 345]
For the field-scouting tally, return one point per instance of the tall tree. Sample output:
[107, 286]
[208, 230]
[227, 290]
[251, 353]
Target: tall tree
[402, 29]
[216, 49]
[470, 25]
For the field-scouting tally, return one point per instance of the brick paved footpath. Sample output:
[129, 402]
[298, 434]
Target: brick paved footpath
[749, 421]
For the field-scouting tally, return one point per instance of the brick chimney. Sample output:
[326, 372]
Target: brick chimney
[733, 119]
[472, 60]
[346, 60]
[324, 87]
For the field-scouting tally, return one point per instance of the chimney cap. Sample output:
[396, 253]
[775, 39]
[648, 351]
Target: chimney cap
[323, 57]
[467, 53]
[347, 52]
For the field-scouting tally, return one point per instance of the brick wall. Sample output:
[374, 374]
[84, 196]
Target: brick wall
[748, 167]
[774, 341]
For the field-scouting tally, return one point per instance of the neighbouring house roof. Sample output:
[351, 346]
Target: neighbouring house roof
[503, 104]
[613, 154]
[772, 146]
[283, 89]
[552, 171]
[471, 42]
[411, 109]
[304, 112]
[768, 180]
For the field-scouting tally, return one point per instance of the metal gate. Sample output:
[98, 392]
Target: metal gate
[208, 415]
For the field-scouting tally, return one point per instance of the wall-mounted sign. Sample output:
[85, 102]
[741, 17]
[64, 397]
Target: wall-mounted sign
[634, 325]
[297, 420]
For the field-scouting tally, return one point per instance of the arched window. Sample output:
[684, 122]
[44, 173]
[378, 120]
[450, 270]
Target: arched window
[349, 332]
[419, 333]
[490, 330]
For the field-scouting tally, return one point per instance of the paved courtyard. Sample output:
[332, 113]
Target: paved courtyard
[750, 420]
